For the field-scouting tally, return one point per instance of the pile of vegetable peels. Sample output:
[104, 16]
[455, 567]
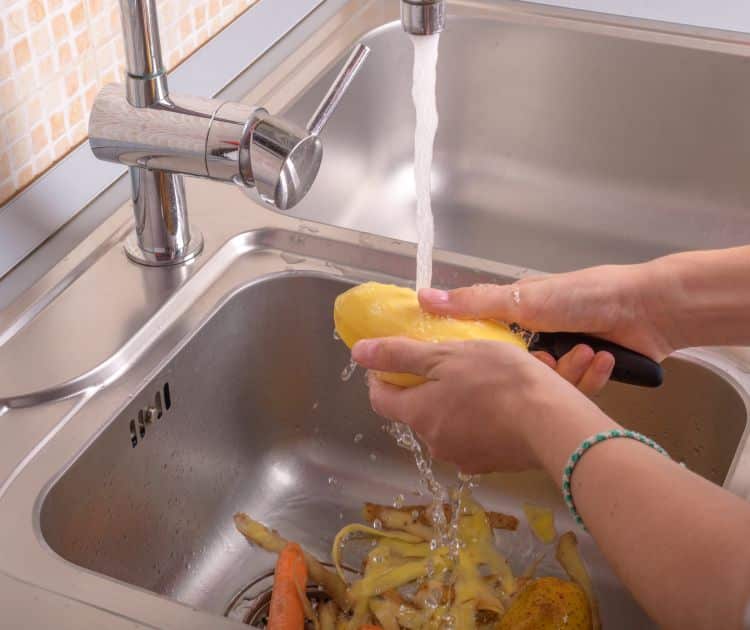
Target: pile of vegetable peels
[410, 581]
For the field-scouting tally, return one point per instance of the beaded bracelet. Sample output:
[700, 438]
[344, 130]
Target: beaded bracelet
[585, 446]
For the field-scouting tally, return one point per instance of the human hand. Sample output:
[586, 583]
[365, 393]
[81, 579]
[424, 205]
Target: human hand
[609, 302]
[487, 406]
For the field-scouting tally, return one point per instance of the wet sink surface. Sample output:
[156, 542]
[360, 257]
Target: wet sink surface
[263, 423]
[557, 148]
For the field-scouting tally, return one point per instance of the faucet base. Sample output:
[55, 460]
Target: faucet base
[164, 259]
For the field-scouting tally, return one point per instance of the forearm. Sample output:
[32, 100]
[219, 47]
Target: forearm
[678, 542]
[700, 298]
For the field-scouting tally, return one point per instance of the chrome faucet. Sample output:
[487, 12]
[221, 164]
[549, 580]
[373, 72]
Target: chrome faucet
[423, 17]
[162, 136]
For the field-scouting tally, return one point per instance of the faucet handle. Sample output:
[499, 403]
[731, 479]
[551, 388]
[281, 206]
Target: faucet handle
[284, 158]
[338, 88]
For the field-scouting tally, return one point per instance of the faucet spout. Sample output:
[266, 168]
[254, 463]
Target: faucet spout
[423, 17]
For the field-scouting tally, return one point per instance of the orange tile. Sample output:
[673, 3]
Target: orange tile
[57, 124]
[59, 28]
[8, 96]
[20, 153]
[7, 190]
[82, 43]
[2, 34]
[14, 124]
[40, 40]
[16, 22]
[34, 109]
[78, 132]
[4, 167]
[200, 15]
[90, 96]
[25, 82]
[24, 176]
[22, 53]
[186, 26]
[45, 69]
[64, 56]
[54, 5]
[94, 7]
[88, 67]
[75, 113]
[71, 83]
[37, 13]
[78, 17]
[109, 77]
[39, 138]
[4, 64]
[42, 161]
[213, 8]
[61, 147]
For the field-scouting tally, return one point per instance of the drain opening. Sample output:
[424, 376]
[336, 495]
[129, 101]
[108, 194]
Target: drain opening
[251, 604]
[167, 396]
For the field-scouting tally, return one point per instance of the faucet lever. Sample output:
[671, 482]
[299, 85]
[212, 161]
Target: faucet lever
[338, 88]
[284, 158]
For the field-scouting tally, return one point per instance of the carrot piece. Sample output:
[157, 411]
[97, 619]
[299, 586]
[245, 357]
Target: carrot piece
[369, 626]
[287, 611]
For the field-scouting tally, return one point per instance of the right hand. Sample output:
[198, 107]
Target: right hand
[611, 302]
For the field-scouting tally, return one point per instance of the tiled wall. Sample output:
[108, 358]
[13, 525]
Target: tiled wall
[54, 57]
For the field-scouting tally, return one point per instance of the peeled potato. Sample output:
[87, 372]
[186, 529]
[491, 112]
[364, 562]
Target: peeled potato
[548, 604]
[384, 310]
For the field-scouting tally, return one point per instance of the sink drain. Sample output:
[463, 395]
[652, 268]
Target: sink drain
[251, 604]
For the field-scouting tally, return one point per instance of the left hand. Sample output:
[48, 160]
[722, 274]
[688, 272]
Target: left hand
[487, 406]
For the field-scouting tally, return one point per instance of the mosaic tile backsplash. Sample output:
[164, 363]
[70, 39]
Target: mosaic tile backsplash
[54, 57]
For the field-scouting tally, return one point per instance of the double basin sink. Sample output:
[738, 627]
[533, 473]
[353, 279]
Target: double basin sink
[145, 417]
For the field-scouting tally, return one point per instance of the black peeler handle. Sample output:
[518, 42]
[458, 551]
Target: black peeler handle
[631, 367]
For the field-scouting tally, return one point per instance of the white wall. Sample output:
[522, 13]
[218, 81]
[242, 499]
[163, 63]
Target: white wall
[726, 14]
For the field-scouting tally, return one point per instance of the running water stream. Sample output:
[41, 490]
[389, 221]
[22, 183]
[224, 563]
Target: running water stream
[423, 93]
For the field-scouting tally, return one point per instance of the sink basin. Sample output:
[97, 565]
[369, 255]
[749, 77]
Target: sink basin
[560, 145]
[263, 423]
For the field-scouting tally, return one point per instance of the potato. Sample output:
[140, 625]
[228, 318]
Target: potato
[548, 604]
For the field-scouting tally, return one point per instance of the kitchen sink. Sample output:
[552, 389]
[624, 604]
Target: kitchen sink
[252, 415]
[142, 407]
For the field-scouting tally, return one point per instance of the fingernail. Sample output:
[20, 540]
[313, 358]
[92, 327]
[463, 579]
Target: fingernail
[436, 296]
[363, 350]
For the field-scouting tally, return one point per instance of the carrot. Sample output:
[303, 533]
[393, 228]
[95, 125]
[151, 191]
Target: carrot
[287, 610]
[369, 626]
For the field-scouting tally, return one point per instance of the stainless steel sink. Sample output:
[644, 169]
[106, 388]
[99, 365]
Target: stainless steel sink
[559, 145]
[263, 423]
[141, 407]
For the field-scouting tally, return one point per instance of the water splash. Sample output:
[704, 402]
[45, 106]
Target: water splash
[348, 371]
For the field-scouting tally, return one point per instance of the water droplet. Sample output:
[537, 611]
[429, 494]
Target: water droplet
[358, 438]
[316, 404]
[291, 259]
[373, 457]
[341, 516]
[516, 294]
[336, 336]
[332, 481]
[377, 524]
[349, 370]
[398, 502]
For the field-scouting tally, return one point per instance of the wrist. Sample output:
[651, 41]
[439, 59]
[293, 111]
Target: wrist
[565, 419]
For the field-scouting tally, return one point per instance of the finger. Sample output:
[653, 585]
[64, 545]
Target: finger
[390, 401]
[598, 374]
[546, 358]
[482, 301]
[397, 354]
[574, 364]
